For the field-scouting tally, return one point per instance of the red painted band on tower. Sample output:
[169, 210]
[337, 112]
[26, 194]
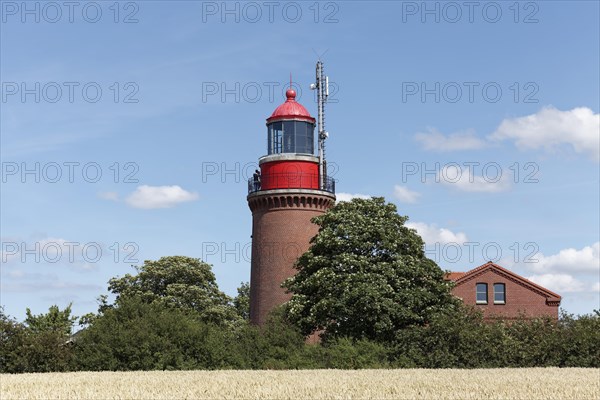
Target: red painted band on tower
[289, 175]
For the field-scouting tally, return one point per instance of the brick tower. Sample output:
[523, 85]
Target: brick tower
[291, 189]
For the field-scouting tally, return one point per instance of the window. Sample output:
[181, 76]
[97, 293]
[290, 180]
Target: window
[304, 137]
[275, 137]
[482, 293]
[302, 143]
[499, 293]
[291, 137]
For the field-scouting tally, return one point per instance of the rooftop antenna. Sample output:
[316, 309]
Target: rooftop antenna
[322, 88]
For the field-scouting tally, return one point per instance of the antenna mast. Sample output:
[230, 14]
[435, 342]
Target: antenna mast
[322, 87]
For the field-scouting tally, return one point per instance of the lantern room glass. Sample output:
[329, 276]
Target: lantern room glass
[291, 137]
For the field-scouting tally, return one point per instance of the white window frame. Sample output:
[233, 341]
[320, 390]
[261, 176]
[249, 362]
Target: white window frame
[487, 293]
[503, 293]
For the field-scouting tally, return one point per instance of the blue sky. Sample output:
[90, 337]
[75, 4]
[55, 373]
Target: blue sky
[140, 122]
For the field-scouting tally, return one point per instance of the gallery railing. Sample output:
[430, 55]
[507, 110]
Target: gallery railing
[292, 180]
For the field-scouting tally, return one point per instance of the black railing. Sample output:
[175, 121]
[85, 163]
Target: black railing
[291, 180]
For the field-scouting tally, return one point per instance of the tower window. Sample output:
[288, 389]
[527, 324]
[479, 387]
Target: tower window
[481, 293]
[275, 137]
[499, 293]
[291, 137]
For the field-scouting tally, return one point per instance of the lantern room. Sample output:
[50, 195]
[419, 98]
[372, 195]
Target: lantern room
[291, 137]
[291, 129]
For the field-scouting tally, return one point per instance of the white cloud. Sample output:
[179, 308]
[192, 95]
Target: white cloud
[492, 180]
[596, 287]
[437, 141]
[17, 273]
[20, 274]
[149, 197]
[34, 287]
[350, 196]
[51, 250]
[113, 196]
[431, 234]
[405, 195]
[559, 283]
[550, 128]
[569, 260]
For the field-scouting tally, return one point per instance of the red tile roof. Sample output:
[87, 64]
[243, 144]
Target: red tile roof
[452, 276]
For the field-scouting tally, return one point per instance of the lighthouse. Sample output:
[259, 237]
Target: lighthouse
[289, 189]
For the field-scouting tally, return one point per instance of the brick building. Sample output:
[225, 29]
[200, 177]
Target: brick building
[500, 293]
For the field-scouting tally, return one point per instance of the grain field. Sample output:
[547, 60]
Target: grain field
[529, 384]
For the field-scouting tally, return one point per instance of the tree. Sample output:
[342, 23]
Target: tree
[141, 335]
[365, 275]
[53, 321]
[89, 318]
[182, 282]
[38, 345]
[242, 301]
[12, 337]
[580, 340]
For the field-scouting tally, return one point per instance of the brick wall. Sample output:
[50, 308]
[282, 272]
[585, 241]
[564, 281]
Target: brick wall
[519, 297]
[281, 232]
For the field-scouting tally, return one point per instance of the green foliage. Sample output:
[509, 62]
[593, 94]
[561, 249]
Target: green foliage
[345, 353]
[242, 301]
[282, 343]
[147, 336]
[461, 339]
[45, 352]
[158, 322]
[579, 340]
[365, 276]
[12, 335]
[39, 345]
[183, 283]
[89, 318]
[138, 335]
[456, 338]
[54, 320]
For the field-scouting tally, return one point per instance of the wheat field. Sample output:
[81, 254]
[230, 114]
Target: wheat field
[529, 384]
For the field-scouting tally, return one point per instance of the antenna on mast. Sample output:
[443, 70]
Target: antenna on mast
[322, 87]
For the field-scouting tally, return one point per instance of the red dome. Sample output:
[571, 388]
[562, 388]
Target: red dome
[291, 109]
